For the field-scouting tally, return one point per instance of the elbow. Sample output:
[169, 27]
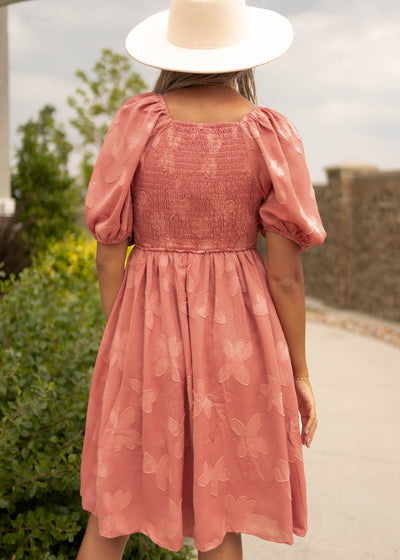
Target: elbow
[102, 262]
[110, 257]
[100, 265]
[106, 265]
[286, 281]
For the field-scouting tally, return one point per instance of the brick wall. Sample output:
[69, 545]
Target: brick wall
[358, 266]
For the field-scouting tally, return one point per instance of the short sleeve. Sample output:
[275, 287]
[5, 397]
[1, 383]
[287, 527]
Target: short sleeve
[289, 205]
[108, 203]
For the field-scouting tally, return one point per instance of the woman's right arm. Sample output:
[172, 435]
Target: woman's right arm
[286, 286]
[110, 265]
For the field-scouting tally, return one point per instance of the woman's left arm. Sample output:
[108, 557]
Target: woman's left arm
[110, 266]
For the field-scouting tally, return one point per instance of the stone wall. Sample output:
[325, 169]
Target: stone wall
[358, 266]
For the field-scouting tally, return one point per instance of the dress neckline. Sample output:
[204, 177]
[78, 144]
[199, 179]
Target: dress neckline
[202, 124]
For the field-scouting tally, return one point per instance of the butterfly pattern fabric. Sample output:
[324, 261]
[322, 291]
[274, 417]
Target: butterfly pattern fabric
[192, 426]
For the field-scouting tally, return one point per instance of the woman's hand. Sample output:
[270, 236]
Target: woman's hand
[306, 404]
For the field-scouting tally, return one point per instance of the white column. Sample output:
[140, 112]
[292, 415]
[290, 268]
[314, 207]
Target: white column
[7, 204]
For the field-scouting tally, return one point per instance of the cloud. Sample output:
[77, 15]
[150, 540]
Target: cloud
[339, 86]
[41, 89]
[338, 83]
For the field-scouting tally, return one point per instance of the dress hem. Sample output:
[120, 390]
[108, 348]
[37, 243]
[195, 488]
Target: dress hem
[297, 532]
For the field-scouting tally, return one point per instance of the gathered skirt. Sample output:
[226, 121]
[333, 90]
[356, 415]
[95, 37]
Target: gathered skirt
[192, 425]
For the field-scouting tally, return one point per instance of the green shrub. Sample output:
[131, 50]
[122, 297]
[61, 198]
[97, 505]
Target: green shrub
[51, 323]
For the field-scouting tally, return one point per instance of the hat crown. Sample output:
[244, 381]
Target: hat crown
[207, 24]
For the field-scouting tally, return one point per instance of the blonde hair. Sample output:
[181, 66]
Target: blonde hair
[242, 80]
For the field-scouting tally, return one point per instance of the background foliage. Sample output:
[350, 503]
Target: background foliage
[51, 323]
[49, 199]
[47, 196]
[96, 101]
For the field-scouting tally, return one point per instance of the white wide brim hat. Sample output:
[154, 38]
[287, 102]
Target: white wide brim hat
[210, 36]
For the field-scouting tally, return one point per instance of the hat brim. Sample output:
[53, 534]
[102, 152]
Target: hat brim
[270, 36]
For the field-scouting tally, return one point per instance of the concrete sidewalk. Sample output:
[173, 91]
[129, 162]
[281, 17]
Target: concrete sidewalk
[353, 465]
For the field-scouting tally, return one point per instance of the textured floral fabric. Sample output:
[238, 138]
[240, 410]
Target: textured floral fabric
[192, 424]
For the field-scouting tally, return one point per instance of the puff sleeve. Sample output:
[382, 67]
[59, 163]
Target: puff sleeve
[289, 204]
[108, 203]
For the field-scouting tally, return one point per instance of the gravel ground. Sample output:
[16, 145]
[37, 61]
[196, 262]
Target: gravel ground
[354, 321]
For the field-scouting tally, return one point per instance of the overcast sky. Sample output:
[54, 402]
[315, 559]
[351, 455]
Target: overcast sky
[339, 82]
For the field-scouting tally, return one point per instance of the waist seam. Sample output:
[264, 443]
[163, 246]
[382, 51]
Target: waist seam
[177, 250]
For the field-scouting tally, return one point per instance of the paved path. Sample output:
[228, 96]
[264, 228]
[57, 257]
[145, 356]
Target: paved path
[353, 465]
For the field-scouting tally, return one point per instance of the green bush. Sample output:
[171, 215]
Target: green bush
[51, 323]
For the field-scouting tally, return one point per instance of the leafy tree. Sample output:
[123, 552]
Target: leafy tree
[46, 194]
[97, 100]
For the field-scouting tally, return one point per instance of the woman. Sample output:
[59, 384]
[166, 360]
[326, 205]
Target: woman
[193, 419]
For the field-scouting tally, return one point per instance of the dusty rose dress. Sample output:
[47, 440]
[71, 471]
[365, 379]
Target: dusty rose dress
[192, 424]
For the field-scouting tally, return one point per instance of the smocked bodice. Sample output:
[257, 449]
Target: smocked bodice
[194, 190]
[179, 186]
